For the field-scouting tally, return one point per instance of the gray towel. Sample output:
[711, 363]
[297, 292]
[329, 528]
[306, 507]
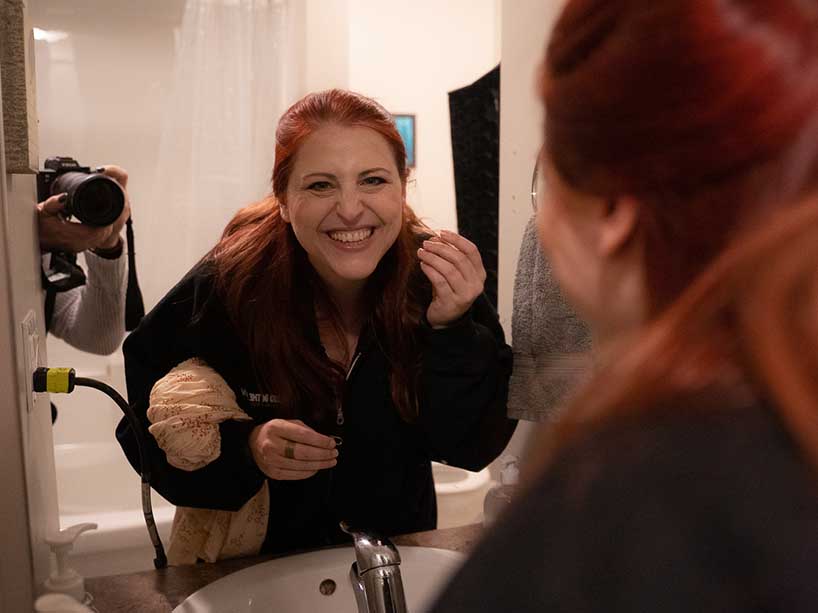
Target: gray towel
[550, 343]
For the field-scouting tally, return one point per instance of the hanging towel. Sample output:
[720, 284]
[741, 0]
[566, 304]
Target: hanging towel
[551, 344]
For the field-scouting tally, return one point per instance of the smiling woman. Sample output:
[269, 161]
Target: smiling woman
[327, 313]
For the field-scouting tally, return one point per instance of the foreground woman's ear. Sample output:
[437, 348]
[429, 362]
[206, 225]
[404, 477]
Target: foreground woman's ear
[618, 224]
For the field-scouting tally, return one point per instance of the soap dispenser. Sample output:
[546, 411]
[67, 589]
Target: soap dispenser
[65, 580]
[500, 496]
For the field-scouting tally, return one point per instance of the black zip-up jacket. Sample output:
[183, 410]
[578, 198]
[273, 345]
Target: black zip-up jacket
[383, 479]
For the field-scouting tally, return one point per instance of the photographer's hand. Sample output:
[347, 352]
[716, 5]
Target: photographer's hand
[119, 175]
[56, 233]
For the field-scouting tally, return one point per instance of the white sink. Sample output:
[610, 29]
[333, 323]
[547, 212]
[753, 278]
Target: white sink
[294, 584]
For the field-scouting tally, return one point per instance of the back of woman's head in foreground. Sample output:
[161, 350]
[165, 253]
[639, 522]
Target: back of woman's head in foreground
[706, 113]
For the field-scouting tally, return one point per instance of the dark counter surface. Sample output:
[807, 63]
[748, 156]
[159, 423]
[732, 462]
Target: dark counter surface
[159, 591]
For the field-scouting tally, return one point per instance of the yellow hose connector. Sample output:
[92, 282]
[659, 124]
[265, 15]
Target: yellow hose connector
[54, 380]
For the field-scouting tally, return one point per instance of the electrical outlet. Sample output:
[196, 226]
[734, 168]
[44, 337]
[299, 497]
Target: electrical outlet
[31, 349]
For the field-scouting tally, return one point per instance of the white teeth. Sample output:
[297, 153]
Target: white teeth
[351, 237]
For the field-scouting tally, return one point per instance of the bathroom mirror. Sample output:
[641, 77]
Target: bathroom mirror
[185, 95]
[536, 189]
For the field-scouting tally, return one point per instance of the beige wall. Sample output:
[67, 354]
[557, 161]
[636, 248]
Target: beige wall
[16, 582]
[525, 25]
[326, 44]
[34, 425]
[28, 510]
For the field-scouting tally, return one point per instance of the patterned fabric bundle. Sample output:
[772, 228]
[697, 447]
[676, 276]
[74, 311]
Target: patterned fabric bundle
[186, 407]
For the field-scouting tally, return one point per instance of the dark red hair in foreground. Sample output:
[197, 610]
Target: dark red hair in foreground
[706, 111]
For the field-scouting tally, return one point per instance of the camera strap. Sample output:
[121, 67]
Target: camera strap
[63, 274]
[134, 306]
[50, 300]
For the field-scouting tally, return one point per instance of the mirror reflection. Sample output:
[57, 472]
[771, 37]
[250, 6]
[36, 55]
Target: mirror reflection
[329, 346]
[383, 288]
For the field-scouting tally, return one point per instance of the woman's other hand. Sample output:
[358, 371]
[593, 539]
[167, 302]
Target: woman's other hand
[289, 450]
[455, 268]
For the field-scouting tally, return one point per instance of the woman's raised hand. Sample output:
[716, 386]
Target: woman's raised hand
[455, 269]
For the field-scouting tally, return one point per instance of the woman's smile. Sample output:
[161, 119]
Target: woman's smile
[352, 240]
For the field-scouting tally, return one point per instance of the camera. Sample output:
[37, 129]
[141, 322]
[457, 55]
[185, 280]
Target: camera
[93, 198]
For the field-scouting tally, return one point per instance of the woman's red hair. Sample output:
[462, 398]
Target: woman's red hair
[270, 290]
[706, 111]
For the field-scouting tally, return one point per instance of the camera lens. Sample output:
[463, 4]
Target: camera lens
[98, 201]
[93, 199]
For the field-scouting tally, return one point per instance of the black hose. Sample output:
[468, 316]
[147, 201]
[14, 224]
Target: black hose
[161, 560]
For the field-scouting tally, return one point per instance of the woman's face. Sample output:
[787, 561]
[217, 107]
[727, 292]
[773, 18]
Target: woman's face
[345, 202]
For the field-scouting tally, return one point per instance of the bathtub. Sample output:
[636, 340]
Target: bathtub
[96, 484]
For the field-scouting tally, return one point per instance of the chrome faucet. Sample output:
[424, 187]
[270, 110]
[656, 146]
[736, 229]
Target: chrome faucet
[375, 574]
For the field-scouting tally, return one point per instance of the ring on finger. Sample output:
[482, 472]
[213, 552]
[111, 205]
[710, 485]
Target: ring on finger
[289, 450]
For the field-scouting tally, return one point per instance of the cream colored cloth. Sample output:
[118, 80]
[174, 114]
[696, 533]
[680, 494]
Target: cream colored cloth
[186, 407]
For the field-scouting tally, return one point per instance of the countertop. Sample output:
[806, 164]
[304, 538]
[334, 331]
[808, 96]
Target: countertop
[159, 591]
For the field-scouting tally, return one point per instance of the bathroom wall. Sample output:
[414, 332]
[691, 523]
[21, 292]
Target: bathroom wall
[525, 27]
[16, 581]
[326, 44]
[28, 510]
[33, 424]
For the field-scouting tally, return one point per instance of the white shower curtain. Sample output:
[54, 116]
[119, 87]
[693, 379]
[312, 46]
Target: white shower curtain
[234, 76]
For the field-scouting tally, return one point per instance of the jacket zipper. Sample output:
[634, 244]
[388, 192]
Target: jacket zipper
[339, 417]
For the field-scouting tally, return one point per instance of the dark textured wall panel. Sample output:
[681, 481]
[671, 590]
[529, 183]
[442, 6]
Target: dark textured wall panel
[475, 124]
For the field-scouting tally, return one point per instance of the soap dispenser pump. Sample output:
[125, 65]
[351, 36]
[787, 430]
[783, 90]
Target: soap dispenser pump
[65, 580]
[500, 497]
